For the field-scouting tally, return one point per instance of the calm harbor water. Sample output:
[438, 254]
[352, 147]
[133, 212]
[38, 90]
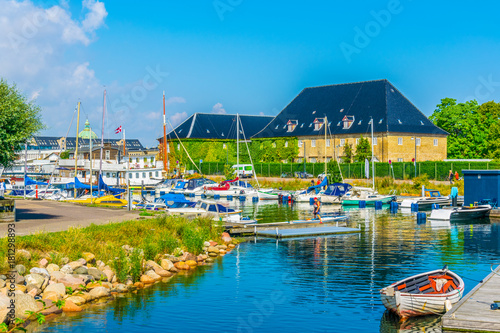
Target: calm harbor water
[319, 284]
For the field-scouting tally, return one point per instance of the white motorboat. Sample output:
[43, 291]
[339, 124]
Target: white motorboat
[198, 186]
[212, 209]
[332, 194]
[460, 213]
[431, 197]
[231, 187]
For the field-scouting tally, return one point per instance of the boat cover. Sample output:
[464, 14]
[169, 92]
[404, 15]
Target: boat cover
[180, 185]
[80, 185]
[244, 184]
[222, 209]
[29, 181]
[324, 182]
[338, 189]
[175, 200]
[105, 187]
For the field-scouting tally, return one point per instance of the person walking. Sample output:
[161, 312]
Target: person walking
[450, 177]
[317, 208]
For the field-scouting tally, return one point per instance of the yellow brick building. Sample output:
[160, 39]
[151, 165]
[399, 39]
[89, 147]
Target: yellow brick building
[401, 131]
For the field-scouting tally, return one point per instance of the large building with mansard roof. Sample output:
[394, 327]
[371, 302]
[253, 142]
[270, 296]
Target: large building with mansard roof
[401, 131]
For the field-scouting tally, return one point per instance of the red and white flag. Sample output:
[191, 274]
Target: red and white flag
[118, 130]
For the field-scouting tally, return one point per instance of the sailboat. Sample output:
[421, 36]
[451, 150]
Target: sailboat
[368, 195]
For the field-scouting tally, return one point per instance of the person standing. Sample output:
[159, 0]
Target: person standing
[317, 208]
[456, 175]
[450, 177]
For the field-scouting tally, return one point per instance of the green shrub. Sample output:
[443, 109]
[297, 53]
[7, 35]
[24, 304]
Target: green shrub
[120, 266]
[135, 264]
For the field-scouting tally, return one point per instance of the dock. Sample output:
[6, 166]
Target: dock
[304, 232]
[473, 312]
[495, 214]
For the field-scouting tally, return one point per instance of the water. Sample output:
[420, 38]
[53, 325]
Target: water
[319, 284]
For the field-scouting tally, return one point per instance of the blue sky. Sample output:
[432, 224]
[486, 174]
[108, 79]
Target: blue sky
[250, 57]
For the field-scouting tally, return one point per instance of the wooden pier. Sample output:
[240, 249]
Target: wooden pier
[495, 214]
[473, 312]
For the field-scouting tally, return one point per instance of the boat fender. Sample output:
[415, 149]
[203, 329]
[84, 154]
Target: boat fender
[447, 305]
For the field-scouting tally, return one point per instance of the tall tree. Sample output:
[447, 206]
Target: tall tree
[363, 150]
[19, 120]
[333, 172]
[347, 158]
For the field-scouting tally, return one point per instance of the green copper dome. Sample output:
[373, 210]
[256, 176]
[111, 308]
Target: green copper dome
[87, 133]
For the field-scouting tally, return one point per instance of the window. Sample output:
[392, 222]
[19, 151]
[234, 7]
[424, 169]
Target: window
[418, 142]
[348, 121]
[130, 175]
[107, 155]
[286, 144]
[156, 174]
[300, 143]
[400, 160]
[400, 141]
[375, 141]
[114, 174]
[328, 143]
[152, 159]
[150, 174]
[318, 123]
[299, 160]
[313, 159]
[143, 175]
[435, 142]
[342, 142]
[313, 143]
[136, 175]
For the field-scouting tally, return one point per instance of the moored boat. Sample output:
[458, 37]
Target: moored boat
[460, 213]
[431, 197]
[433, 292]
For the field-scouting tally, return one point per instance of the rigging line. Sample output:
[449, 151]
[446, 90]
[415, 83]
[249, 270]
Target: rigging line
[249, 155]
[355, 97]
[175, 132]
[334, 148]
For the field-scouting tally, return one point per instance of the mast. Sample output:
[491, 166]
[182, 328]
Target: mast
[25, 166]
[102, 132]
[91, 162]
[165, 153]
[237, 143]
[326, 125]
[76, 149]
[373, 162]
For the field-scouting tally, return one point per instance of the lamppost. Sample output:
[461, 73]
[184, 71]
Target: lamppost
[415, 159]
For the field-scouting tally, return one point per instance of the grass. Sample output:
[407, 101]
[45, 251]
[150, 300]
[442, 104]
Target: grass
[159, 235]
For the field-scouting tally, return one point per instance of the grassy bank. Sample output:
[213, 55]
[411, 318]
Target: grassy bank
[160, 234]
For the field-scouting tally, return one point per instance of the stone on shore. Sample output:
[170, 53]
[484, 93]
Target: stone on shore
[181, 265]
[55, 276]
[52, 295]
[99, 292]
[231, 246]
[41, 271]
[139, 285]
[206, 244]
[89, 257]
[212, 243]
[20, 269]
[93, 285]
[72, 282]
[52, 268]
[43, 263]
[75, 264]
[226, 238]
[150, 264]
[58, 288]
[146, 279]
[25, 303]
[81, 270]
[35, 279]
[50, 308]
[166, 264]
[24, 254]
[151, 273]
[109, 274]
[121, 288]
[2, 283]
[191, 263]
[4, 304]
[163, 272]
[96, 273]
[33, 290]
[66, 269]
[78, 300]
[69, 306]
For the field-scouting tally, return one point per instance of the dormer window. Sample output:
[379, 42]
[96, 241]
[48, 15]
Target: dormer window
[348, 121]
[318, 123]
[291, 125]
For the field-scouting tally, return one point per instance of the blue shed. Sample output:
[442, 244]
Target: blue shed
[481, 184]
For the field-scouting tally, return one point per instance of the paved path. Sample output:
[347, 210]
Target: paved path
[45, 215]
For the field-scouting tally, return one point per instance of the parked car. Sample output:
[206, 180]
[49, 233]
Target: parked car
[303, 175]
[286, 175]
[243, 170]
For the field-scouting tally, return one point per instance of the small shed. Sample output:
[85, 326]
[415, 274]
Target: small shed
[480, 185]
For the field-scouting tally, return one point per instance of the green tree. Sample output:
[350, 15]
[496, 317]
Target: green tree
[333, 172]
[347, 158]
[19, 120]
[229, 172]
[64, 155]
[363, 150]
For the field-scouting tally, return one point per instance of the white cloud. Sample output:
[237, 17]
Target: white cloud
[153, 115]
[178, 118]
[218, 109]
[96, 15]
[175, 100]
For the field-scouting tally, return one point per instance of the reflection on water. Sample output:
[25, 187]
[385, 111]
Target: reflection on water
[319, 284]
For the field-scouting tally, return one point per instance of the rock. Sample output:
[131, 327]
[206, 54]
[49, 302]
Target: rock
[222, 247]
[192, 263]
[52, 295]
[222, 252]
[52, 268]
[121, 288]
[64, 260]
[173, 270]
[151, 273]
[25, 303]
[50, 308]
[2, 283]
[206, 244]
[150, 264]
[43, 263]
[213, 249]
[99, 264]
[85, 296]
[99, 292]
[163, 272]
[21, 288]
[109, 274]
[78, 300]
[35, 279]
[204, 257]
[181, 265]
[59, 288]
[85, 277]
[213, 254]
[80, 270]
[33, 290]
[209, 260]
[226, 238]
[212, 243]
[4, 304]
[3, 277]
[66, 269]
[56, 275]
[20, 269]
[82, 261]
[89, 257]
[24, 254]
[146, 279]
[114, 279]
[231, 246]
[72, 282]
[74, 264]
[166, 264]
[96, 273]
[69, 306]
[41, 271]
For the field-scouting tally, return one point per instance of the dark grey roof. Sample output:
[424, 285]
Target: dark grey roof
[50, 142]
[218, 126]
[392, 112]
